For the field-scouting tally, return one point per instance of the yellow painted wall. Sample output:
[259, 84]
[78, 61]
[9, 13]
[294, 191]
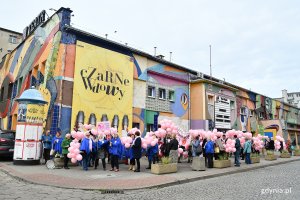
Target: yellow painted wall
[90, 98]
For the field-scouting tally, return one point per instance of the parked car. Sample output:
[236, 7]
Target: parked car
[7, 143]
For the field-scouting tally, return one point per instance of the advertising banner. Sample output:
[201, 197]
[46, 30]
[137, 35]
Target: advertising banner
[103, 83]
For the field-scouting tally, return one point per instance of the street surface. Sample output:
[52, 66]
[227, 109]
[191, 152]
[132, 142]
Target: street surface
[276, 182]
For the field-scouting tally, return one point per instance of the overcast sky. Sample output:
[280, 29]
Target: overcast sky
[255, 44]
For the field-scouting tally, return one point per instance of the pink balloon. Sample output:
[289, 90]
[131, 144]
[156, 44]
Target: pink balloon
[180, 150]
[76, 151]
[149, 140]
[73, 160]
[79, 157]
[94, 132]
[106, 132]
[185, 154]
[71, 149]
[127, 145]
[169, 130]
[153, 143]
[129, 140]
[144, 146]
[69, 155]
[123, 140]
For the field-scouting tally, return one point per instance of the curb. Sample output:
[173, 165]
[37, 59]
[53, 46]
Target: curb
[155, 186]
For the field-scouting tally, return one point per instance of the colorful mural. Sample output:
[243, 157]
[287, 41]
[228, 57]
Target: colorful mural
[33, 63]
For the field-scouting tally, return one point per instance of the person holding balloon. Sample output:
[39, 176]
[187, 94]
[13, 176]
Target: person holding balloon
[56, 144]
[130, 153]
[86, 149]
[65, 145]
[137, 150]
[115, 150]
[101, 151]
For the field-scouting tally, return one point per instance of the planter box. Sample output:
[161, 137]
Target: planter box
[163, 168]
[222, 163]
[270, 157]
[198, 164]
[297, 153]
[285, 155]
[255, 159]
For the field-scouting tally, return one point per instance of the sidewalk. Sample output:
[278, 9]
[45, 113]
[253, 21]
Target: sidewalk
[124, 179]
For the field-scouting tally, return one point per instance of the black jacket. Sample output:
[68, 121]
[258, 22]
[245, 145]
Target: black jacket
[174, 144]
[137, 148]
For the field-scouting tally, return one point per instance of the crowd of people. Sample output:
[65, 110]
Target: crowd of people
[94, 148]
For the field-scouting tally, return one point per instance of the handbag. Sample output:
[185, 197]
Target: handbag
[52, 152]
[217, 149]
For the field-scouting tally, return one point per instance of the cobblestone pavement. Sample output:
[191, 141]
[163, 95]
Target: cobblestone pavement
[265, 183]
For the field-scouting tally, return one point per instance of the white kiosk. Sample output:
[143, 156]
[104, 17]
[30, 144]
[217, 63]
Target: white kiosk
[29, 129]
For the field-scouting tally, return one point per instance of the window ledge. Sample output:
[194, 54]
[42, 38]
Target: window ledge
[151, 97]
[162, 99]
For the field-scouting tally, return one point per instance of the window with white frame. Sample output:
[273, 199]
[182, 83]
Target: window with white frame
[13, 39]
[261, 115]
[243, 111]
[171, 95]
[162, 93]
[151, 91]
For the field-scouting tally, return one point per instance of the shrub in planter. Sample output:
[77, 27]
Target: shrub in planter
[270, 155]
[165, 167]
[285, 154]
[223, 161]
[297, 152]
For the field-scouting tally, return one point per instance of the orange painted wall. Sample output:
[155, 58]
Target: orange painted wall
[197, 94]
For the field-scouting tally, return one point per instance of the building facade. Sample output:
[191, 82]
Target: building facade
[292, 98]
[9, 40]
[86, 78]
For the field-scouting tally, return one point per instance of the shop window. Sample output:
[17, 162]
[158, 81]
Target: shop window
[162, 93]
[151, 91]
[171, 95]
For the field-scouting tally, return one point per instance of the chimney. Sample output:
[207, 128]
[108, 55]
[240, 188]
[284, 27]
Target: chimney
[284, 95]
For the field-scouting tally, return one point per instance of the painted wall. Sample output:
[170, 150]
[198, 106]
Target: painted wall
[38, 62]
[197, 106]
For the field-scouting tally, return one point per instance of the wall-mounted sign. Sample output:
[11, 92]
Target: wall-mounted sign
[34, 24]
[102, 126]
